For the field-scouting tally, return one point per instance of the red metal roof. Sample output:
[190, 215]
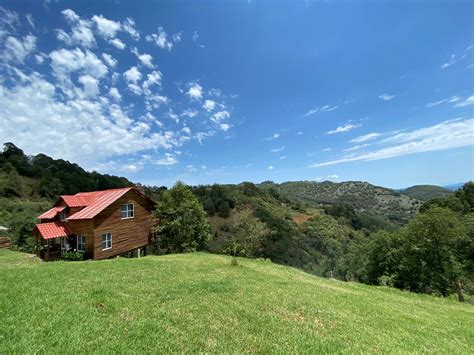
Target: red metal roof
[53, 230]
[76, 201]
[98, 201]
[51, 213]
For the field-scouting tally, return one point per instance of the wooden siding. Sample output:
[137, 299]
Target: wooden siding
[127, 234]
[85, 228]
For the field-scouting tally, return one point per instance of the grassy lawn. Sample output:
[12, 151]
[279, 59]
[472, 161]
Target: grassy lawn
[200, 302]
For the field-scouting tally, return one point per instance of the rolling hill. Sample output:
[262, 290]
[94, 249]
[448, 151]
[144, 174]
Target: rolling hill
[426, 192]
[201, 303]
[361, 196]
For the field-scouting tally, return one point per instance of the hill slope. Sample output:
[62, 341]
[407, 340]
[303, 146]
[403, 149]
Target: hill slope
[361, 196]
[426, 192]
[201, 303]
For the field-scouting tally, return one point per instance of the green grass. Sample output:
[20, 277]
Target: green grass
[201, 303]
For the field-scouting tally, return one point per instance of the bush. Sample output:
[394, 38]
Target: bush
[73, 256]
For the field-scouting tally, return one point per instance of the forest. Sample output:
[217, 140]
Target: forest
[368, 234]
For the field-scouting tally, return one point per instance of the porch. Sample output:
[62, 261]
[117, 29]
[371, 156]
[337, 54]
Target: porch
[55, 239]
[52, 249]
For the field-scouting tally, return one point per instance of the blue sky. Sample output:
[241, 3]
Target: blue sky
[231, 91]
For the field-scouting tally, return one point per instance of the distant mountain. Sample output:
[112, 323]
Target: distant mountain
[454, 187]
[361, 196]
[426, 192]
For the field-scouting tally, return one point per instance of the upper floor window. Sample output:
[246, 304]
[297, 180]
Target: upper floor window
[126, 211]
[62, 216]
[106, 241]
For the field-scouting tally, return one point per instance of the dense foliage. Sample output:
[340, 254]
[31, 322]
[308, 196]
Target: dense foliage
[182, 221]
[44, 176]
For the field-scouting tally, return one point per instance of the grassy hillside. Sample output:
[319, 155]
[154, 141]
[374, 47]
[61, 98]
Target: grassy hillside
[426, 192]
[361, 196]
[201, 303]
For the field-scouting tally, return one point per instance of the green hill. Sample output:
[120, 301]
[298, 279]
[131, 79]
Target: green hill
[361, 196]
[201, 303]
[426, 192]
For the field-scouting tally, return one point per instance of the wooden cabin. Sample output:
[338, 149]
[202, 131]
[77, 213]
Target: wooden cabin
[100, 224]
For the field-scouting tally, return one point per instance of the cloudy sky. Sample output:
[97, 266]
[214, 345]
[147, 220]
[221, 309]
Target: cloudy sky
[227, 91]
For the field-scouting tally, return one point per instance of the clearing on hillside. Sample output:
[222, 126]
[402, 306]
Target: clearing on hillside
[201, 303]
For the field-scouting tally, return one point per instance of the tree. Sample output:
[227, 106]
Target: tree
[432, 252]
[247, 234]
[183, 225]
[209, 206]
[223, 209]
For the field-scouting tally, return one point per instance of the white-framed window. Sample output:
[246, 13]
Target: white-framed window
[81, 243]
[106, 241]
[126, 211]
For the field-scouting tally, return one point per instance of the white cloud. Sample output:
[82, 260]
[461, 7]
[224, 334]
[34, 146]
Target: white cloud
[132, 75]
[452, 60]
[65, 61]
[189, 113]
[115, 94]
[129, 26]
[224, 127]
[386, 97]
[299, 133]
[444, 135]
[436, 103]
[153, 78]
[365, 137]
[81, 32]
[117, 43]
[325, 108]
[283, 157]
[209, 105]
[469, 101]
[144, 58]
[276, 150]
[194, 91]
[220, 116]
[273, 136]
[107, 28]
[30, 20]
[109, 60]
[19, 49]
[33, 117]
[9, 21]
[161, 39]
[345, 128]
[326, 150]
[168, 159]
[270, 167]
[40, 58]
[91, 85]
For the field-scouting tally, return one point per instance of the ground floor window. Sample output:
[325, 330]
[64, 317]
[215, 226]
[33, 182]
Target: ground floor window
[81, 243]
[106, 241]
[64, 244]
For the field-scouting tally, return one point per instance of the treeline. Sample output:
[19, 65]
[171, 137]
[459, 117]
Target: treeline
[40, 175]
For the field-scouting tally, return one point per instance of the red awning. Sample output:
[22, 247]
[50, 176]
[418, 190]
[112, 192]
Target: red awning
[51, 213]
[52, 230]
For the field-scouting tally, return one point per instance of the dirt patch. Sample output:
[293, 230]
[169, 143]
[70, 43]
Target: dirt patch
[301, 218]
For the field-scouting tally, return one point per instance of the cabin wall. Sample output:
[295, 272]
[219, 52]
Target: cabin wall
[85, 228]
[127, 234]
